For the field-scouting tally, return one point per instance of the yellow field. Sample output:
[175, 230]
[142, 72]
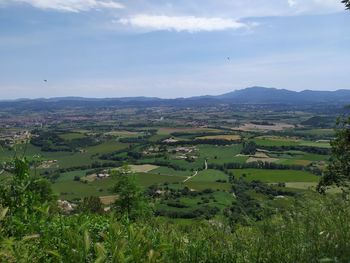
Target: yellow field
[144, 168]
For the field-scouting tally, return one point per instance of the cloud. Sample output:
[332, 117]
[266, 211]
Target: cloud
[315, 6]
[72, 5]
[181, 23]
[292, 3]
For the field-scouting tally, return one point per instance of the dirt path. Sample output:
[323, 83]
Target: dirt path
[205, 165]
[190, 177]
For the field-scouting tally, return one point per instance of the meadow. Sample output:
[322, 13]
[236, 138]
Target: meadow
[275, 176]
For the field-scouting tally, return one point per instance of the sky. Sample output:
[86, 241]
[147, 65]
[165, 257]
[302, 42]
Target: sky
[170, 48]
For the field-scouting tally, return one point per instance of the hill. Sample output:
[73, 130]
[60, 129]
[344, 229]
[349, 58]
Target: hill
[262, 95]
[252, 95]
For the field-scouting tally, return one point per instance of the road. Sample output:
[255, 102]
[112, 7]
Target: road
[190, 177]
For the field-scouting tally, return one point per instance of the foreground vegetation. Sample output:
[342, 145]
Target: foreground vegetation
[33, 229]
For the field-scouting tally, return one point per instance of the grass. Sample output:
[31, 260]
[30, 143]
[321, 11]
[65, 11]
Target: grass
[294, 162]
[275, 141]
[127, 134]
[285, 141]
[317, 132]
[209, 176]
[298, 157]
[69, 189]
[220, 154]
[143, 168]
[230, 137]
[163, 170]
[66, 159]
[69, 176]
[275, 176]
[168, 131]
[314, 231]
[199, 186]
[148, 179]
[302, 185]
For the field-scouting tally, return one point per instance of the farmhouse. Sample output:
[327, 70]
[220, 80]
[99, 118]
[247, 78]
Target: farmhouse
[170, 140]
[102, 175]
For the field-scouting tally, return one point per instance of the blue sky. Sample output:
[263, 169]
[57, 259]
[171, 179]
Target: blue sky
[170, 48]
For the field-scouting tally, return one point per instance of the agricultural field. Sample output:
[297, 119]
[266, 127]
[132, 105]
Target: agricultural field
[275, 176]
[289, 141]
[221, 137]
[189, 158]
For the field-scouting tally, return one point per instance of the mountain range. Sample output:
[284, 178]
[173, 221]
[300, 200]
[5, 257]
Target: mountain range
[252, 95]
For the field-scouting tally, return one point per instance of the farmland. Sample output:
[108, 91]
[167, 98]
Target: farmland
[189, 158]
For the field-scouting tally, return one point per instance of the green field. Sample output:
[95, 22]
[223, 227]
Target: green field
[275, 176]
[221, 154]
[209, 176]
[163, 170]
[280, 141]
[69, 189]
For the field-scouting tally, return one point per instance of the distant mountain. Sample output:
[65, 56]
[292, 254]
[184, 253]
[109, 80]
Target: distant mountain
[262, 95]
[252, 95]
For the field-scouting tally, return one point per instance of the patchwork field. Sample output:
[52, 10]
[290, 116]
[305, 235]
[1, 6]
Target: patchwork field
[179, 157]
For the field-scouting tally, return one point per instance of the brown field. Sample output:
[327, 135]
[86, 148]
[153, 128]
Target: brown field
[256, 127]
[279, 138]
[261, 157]
[109, 199]
[144, 168]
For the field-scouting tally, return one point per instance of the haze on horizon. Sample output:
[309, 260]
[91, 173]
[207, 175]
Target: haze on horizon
[168, 49]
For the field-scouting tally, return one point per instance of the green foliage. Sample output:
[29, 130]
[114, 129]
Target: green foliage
[313, 231]
[249, 148]
[338, 171]
[91, 204]
[26, 197]
[130, 201]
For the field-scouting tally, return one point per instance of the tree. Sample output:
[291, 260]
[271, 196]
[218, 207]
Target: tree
[249, 148]
[347, 3]
[27, 198]
[338, 171]
[130, 201]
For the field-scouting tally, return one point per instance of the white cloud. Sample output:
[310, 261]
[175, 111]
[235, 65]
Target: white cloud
[181, 23]
[315, 6]
[72, 5]
[292, 3]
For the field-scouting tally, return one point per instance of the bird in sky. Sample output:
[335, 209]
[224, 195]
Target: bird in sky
[45, 80]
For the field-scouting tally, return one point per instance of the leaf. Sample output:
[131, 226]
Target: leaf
[100, 252]
[34, 236]
[87, 241]
[54, 253]
[3, 213]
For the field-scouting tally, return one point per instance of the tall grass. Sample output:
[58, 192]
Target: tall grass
[313, 231]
